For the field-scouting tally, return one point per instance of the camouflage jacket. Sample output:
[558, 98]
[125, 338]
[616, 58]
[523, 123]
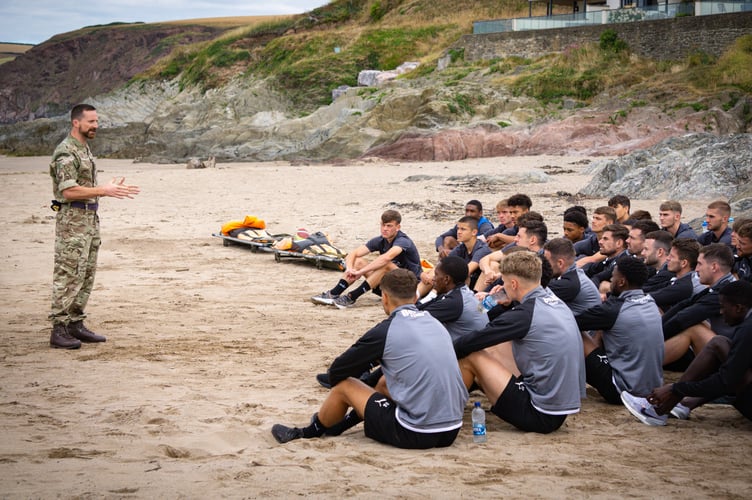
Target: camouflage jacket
[72, 165]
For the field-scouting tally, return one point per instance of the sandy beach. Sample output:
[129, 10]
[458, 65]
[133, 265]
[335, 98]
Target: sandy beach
[210, 345]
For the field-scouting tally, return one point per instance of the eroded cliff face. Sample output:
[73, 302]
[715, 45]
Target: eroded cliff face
[48, 79]
[404, 120]
[248, 119]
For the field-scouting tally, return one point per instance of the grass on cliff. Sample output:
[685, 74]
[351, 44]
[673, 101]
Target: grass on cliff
[298, 53]
[581, 72]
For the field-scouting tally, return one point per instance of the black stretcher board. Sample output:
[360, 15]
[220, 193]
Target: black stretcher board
[255, 246]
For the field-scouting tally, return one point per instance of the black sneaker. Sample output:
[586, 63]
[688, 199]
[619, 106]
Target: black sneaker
[283, 434]
[323, 380]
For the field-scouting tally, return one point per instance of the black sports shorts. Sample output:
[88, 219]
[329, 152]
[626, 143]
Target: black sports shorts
[380, 424]
[600, 375]
[514, 406]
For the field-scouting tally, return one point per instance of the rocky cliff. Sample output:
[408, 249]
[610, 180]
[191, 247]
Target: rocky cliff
[439, 116]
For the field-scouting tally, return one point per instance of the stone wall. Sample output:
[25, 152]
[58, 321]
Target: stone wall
[666, 39]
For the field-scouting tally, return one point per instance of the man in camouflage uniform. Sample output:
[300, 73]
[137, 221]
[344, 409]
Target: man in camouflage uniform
[74, 185]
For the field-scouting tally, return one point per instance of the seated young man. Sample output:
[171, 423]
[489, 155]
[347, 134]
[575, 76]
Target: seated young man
[587, 248]
[519, 204]
[621, 206]
[669, 216]
[575, 225]
[722, 368]
[419, 403]
[570, 283]
[743, 255]
[613, 244]
[655, 252]
[470, 248]
[505, 221]
[691, 323]
[543, 377]
[681, 262]
[636, 238]
[717, 217]
[395, 250]
[447, 240]
[631, 358]
[455, 305]
[531, 235]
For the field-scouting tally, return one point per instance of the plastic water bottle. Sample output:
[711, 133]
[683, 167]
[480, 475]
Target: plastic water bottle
[479, 424]
[490, 300]
[704, 226]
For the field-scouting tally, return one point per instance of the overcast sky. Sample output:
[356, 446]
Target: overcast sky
[34, 21]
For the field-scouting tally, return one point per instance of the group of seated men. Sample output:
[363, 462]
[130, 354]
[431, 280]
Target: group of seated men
[613, 303]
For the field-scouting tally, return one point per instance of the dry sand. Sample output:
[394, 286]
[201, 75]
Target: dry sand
[208, 346]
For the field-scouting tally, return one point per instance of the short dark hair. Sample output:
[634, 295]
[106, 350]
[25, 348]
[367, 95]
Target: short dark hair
[719, 253]
[738, 292]
[547, 271]
[400, 283]
[520, 200]
[745, 230]
[79, 109]
[663, 239]
[619, 199]
[576, 217]
[470, 220]
[454, 267]
[670, 206]
[646, 226]
[475, 203]
[721, 205]
[641, 215]
[532, 215]
[618, 231]
[634, 270]
[560, 248]
[738, 223]
[687, 249]
[607, 211]
[391, 216]
[537, 228]
[576, 208]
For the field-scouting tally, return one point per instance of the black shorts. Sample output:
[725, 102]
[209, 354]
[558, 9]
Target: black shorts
[600, 375]
[514, 406]
[380, 424]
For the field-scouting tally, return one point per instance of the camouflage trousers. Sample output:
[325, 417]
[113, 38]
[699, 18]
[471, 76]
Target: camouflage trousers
[76, 247]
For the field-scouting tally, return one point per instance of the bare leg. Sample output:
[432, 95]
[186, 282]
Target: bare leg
[696, 336]
[491, 375]
[503, 354]
[348, 393]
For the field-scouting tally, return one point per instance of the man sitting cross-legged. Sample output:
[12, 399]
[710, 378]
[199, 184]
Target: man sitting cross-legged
[631, 358]
[543, 378]
[722, 368]
[419, 403]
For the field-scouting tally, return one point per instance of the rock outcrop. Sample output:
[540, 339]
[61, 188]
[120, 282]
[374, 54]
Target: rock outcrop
[69, 68]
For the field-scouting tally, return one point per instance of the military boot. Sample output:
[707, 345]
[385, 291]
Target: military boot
[78, 330]
[61, 339]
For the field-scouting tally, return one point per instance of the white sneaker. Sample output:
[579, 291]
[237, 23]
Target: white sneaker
[325, 298]
[644, 411]
[680, 411]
